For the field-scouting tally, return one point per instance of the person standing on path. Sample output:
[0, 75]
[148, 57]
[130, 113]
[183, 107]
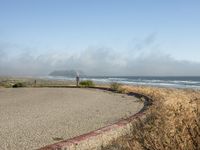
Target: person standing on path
[35, 82]
[77, 79]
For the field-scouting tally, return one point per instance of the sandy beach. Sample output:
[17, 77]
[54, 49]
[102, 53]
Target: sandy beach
[34, 117]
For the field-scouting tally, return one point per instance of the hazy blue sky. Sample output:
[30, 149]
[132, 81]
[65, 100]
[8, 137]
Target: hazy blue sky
[101, 37]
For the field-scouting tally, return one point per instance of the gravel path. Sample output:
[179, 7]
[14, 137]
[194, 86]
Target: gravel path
[33, 117]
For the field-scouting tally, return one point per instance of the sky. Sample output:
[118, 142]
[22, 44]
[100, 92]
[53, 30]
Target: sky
[100, 37]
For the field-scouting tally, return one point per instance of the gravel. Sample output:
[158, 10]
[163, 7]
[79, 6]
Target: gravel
[34, 117]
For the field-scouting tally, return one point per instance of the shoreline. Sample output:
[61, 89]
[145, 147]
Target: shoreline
[6, 81]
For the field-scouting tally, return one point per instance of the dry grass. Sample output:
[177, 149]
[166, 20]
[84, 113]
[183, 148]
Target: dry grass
[8, 82]
[172, 123]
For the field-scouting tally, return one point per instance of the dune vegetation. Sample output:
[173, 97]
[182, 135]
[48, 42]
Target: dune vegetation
[172, 122]
[87, 83]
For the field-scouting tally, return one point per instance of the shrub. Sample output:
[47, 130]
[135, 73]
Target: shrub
[19, 84]
[5, 84]
[115, 86]
[87, 83]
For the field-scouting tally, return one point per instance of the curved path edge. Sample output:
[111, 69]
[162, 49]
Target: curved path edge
[103, 136]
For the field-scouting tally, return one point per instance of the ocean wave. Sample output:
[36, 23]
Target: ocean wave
[151, 81]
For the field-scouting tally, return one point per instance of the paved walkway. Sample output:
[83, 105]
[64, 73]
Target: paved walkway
[34, 117]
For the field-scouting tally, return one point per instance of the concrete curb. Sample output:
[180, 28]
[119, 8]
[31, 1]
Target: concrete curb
[99, 138]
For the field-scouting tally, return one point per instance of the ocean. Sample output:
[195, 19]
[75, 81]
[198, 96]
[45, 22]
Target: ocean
[168, 81]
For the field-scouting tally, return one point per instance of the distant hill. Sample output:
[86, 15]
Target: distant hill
[67, 73]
